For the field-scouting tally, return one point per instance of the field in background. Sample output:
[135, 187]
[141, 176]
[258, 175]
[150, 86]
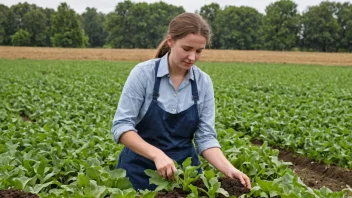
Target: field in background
[312, 58]
[65, 109]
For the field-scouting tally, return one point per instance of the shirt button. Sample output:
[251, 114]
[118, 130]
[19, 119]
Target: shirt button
[175, 94]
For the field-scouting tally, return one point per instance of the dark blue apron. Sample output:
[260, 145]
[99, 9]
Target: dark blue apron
[172, 133]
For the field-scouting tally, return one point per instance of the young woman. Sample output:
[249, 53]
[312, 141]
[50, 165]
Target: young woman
[165, 103]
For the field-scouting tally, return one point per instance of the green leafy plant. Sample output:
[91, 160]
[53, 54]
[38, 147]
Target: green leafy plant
[184, 176]
[187, 174]
[160, 182]
[212, 184]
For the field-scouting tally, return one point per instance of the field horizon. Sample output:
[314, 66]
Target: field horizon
[245, 56]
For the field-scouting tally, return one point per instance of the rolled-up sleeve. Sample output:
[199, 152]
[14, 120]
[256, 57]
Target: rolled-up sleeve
[205, 135]
[130, 102]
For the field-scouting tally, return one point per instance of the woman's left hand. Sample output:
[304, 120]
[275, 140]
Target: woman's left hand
[233, 172]
[218, 160]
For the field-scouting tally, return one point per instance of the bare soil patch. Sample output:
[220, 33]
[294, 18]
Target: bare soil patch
[24, 117]
[315, 174]
[16, 194]
[249, 56]
[232, 186]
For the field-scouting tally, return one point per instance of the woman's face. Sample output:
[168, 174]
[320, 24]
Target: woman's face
[186, 51]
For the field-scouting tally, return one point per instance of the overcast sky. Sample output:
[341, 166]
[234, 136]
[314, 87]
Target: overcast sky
[107, 6]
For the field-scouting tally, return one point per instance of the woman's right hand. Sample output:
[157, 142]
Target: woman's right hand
[165, 166]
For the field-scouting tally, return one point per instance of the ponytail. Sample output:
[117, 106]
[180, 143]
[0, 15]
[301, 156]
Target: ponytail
[162, 49]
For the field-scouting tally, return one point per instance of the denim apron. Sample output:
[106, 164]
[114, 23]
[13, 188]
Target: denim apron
[172, 133]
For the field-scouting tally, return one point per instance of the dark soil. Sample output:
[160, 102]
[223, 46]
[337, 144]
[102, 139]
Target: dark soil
[173, 194]
[24, 117]
[315, 174]
[232, 186]
[16, 194]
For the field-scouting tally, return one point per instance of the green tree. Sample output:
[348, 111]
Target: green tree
[118, 26]
[159, 16]
[344, 19]
[66, 28]
[19, 10]
[12, 19]
[92, 23]
[139, 25]
[21, 38]
[209, 13]
[34, 22]
[3, 23]
[320, 27]
[281, 25]
[48, 15]
[239, 28]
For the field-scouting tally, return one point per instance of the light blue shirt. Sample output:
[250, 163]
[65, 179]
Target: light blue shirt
[137, 94]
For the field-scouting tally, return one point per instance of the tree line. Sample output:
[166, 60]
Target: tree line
[326, 27]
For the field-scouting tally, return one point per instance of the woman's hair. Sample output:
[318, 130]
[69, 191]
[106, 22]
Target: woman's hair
[181, 26]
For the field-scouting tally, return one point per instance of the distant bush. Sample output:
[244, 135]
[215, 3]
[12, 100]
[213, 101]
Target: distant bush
[21, 38]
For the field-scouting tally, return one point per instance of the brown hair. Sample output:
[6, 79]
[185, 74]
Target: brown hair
[181, 26]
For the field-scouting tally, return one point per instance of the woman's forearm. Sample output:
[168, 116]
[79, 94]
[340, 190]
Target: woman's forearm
[134, 142]
[216, 158]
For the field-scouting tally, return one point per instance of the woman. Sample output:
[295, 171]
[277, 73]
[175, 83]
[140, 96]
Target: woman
[165, 103]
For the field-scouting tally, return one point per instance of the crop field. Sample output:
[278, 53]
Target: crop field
[288, 127]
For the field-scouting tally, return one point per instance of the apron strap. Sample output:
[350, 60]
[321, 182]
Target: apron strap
[157, 81]
[195, 95]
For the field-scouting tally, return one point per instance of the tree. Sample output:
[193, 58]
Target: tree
[344, 19]
[3, 23]
[48, 15]
[118, 25]
[160, 15]
[92, 23]
[66, 29]
[139, 25]
[21, 38]
[11, 20]
[281, 25]
[209, 13]
[320, 27]
[19, 10]
[34, 22]
[239, 28]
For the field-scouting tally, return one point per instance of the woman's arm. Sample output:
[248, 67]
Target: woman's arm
[207, 144]
[165, 166]
[215, 157]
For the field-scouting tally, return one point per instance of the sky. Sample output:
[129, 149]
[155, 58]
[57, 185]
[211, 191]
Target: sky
[107, 6]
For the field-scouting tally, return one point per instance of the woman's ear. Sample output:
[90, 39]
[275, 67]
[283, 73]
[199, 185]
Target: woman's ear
[170, 41]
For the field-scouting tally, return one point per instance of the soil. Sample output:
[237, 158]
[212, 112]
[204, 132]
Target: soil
[24, 117]
[315, 174]
[10, 193]
[232, 186]
[176, 193]
[248, 56]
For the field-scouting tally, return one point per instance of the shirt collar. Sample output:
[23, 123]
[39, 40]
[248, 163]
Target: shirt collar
[164, 68]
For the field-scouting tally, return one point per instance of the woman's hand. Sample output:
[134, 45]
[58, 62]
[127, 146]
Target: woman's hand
[233, 172]
[218, 160]
[165, 166]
